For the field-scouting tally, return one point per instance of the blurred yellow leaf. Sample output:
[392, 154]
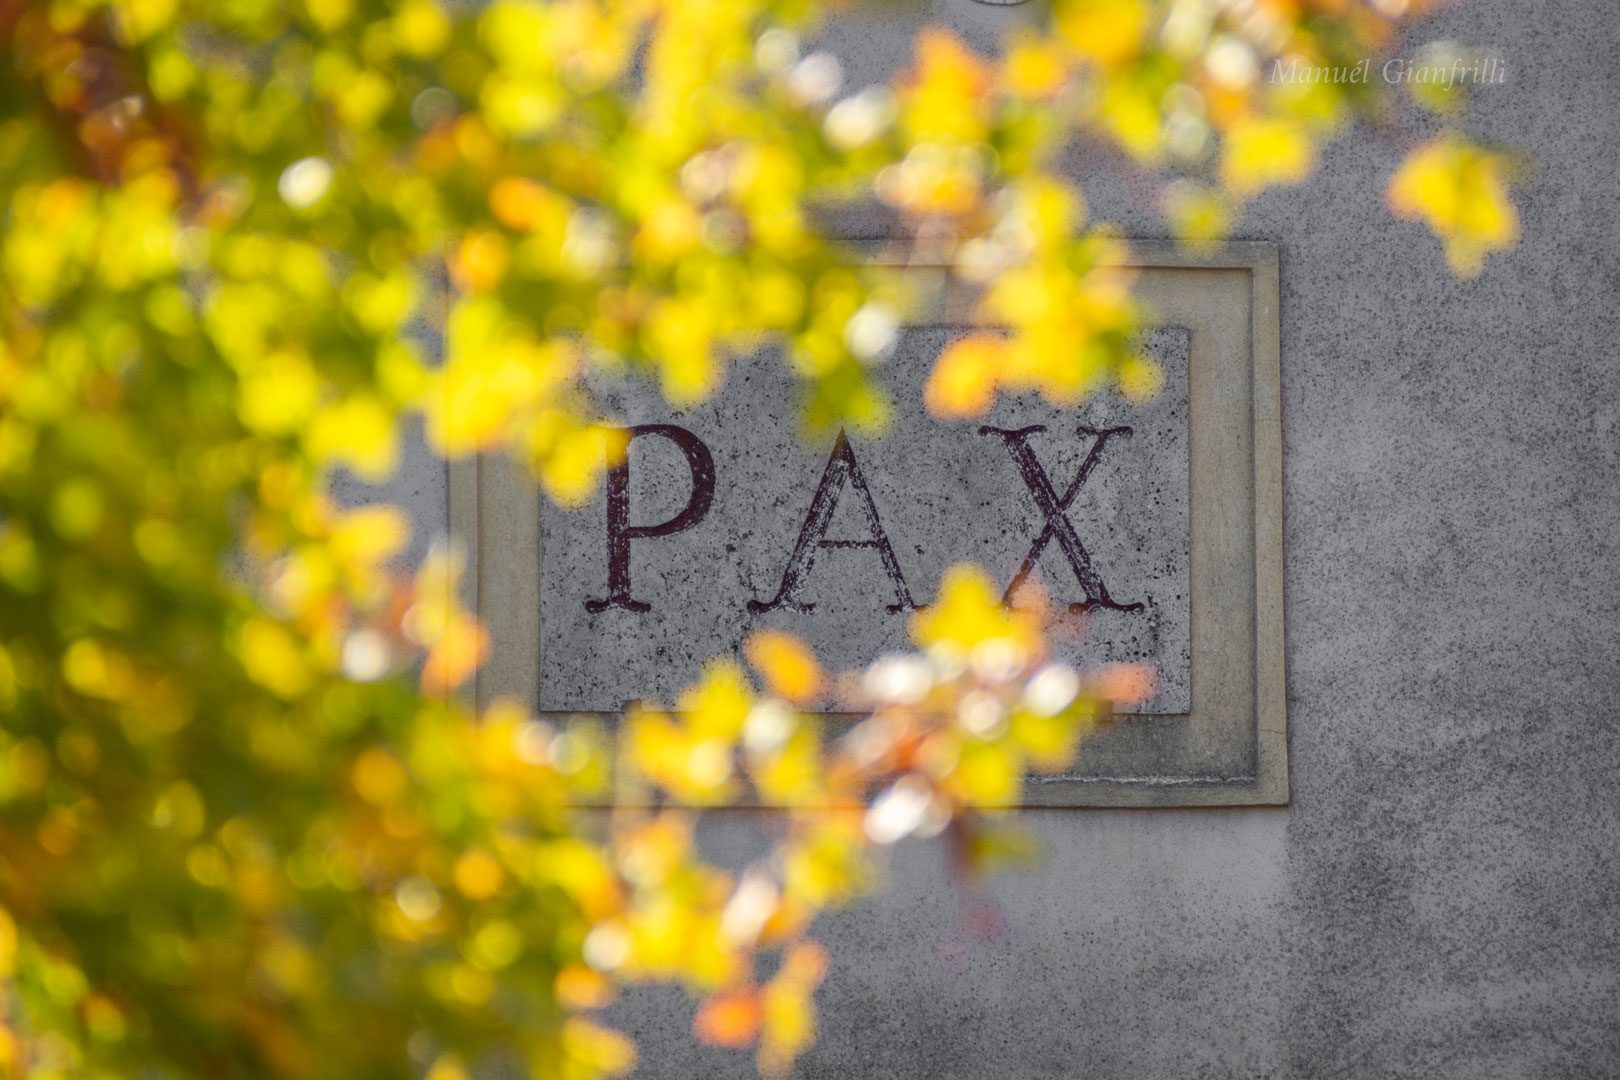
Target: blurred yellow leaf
[717, 706]
[968, 612]
[8, 944]
[963, 382]
[1262, 151]
[279, 393]
[420, 27]
[1199, 216]
[378, 776]
[788, 1010]
[987, 774]
[1140, 379]
[788, 665]
[272, 658]
[578, 987]
[369, 535]
[1460, 192]
[942, 97]
[1106, 31]
[478, 875]
[358, 432]
[1033, 68]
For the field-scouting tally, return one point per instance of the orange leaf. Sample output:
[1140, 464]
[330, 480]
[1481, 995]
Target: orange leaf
[519, 203]
[729, 1019]
[1122, 684]
[789, 667]
[806, 963]
[455, 656]
[578, 987]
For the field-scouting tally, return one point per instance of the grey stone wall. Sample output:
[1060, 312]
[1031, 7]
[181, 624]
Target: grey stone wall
[1442, 897]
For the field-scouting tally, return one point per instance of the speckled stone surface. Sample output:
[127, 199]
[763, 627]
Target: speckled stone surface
[942, 492]
[1441, 900]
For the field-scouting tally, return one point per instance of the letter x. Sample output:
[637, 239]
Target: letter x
[1055, 511]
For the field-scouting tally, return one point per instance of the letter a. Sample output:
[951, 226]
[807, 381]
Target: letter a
[619, 530]
[841, 468]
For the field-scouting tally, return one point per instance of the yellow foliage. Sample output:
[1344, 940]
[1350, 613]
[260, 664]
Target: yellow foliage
[272, 657]
[681, 335]
[378, 776]
[968, 613]
[692, 760]
[787, 664]
[825, 865]
[965, 376]
[717, 706]
[987, 774]
[1460, 192]
[494, 375]
[1131, 112]
[578, 987]
[787, 1007]
[479, 261]
[1140, 379]
[95, 670]
[791, 774]
[458, 650]
[456, 642]
[224, 264]
[1048, 741]
[573, 459]
[1033, 68]
[522, 204]
[421, 27]
[478, 875]
[8, 944]
[1200, 217]
[279, 394]
[358, 432]
[364, 538]
[593, 1050]
[1261, 152]
[142, 18]
[1108, 32]
[942, 98]
[581, 870]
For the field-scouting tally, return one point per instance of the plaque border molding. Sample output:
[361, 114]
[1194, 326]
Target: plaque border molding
[1232, 749]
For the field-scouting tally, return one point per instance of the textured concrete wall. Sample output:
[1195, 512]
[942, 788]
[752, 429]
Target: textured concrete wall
[1442, 898]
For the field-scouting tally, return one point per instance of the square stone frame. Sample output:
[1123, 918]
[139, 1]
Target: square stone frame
[1232, 748]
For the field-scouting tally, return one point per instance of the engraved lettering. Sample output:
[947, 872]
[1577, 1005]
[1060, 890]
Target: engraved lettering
[619, 530]
[841, 469]
[1055, 511]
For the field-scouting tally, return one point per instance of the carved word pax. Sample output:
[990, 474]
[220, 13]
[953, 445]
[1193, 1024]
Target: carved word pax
[844, 473]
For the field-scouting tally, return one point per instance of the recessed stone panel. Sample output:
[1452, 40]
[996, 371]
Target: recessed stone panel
[1154, 531]
[840, 538]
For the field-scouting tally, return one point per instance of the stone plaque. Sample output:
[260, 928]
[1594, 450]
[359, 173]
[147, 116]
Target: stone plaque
[1153, 530]
[727, 518]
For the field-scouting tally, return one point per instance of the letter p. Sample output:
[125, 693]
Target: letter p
[619, 530]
